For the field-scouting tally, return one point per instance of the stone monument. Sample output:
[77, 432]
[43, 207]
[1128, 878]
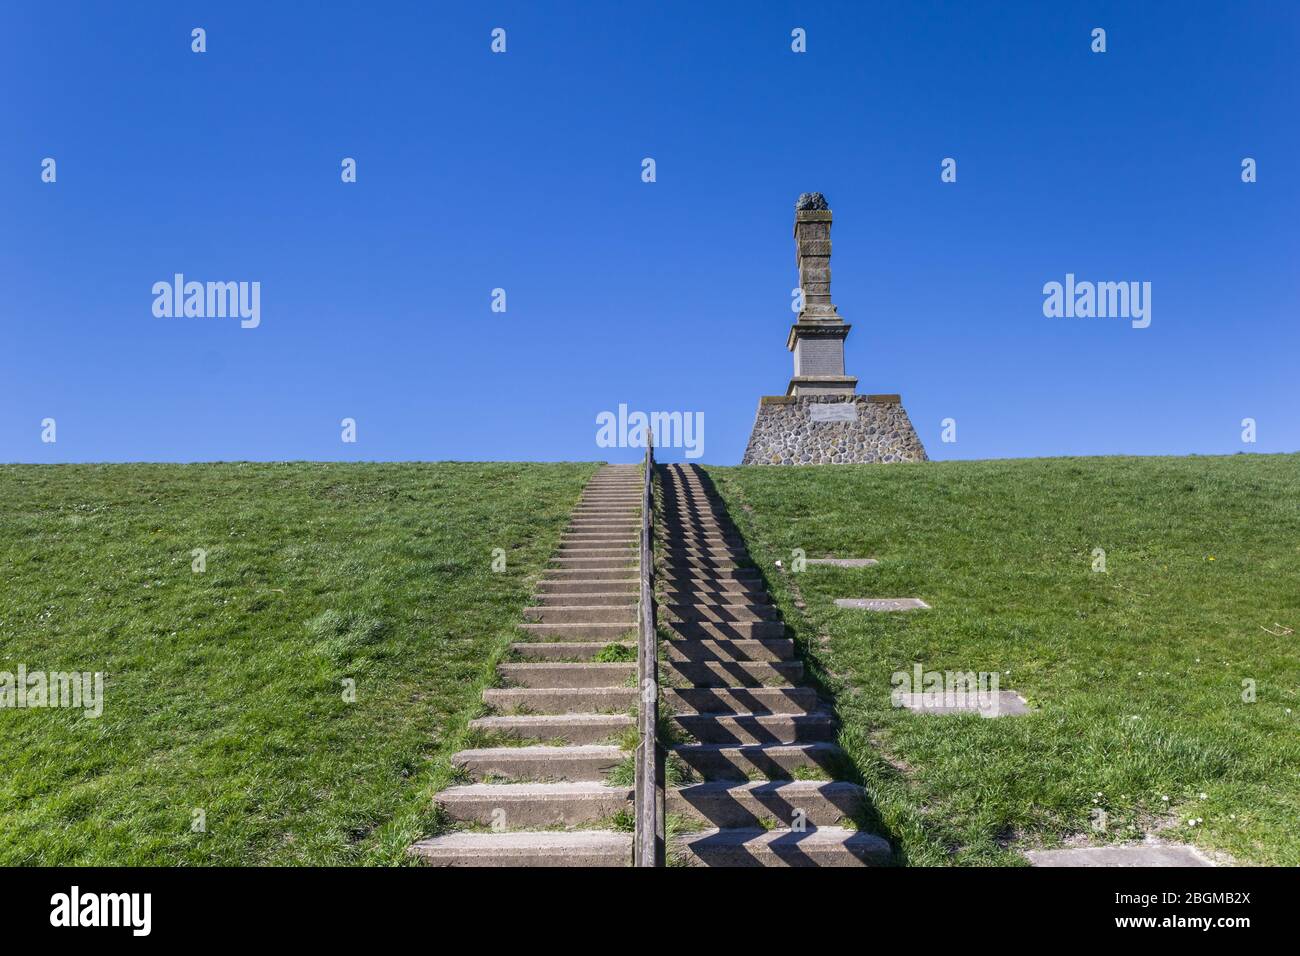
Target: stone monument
[820, 419]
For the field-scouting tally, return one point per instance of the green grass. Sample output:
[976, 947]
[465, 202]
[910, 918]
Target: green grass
[224, 689]
[1136, 673]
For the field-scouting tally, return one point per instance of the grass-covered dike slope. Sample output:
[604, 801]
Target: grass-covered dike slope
[1136, 673]
[224, 690]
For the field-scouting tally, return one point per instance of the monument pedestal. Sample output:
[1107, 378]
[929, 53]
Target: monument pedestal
[831, 430]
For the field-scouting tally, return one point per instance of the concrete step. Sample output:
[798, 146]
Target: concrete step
[731, 804]
[738, 611]
[676, 554]
[575, 729]
[707, 630]
[745, 700]
[670, 529]
[745, 761]
[772, 649]
[598, 564]
[577, 848]
[560, 588]
[582, 614]
[580, 632]
[539, 764]
[707, 538]
[748, 729]
[557, 676]
[596, 549]
[606, 538]
[688, 563]
[589, 599]
[586, 575]
[729, 592]
[565, 650]
[820, 846]
[727, 673]
[698, 577]
[520, 806]
[562, 700]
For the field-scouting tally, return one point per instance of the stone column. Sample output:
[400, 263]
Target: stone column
[817, 337]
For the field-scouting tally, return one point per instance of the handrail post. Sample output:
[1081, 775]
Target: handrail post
[649, 847]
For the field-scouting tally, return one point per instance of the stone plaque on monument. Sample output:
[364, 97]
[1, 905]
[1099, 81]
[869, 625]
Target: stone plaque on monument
[836, 412]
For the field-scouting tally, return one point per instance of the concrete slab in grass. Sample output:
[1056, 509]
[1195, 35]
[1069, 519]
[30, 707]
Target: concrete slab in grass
[882, 604]
[1145, 854]
[1005, 703]
[844, 562]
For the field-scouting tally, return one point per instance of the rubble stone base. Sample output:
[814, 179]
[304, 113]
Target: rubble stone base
[791, 430]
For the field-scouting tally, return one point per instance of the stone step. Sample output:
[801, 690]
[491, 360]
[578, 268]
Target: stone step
[520, 806]
[745, 761]
[586, 575]
[820, 846]
[678, 515]
[688, 563]
[605, 538]
[582, 632]
[732, 804]
[576, 848]
[727, 593]
[753, 729]
[675, 577]
[598, 564]
[582, 614]
[552, 675]
[539, 764]
[574, 729]
[564, 700]
[589, 599]
[708, 630]
[702, 538]
[743, 700]
[772, 649]
[729, 673]
[671, 529]
[597, 549]
[565, 650]
[674, 554]
[720, 612]
[624, 586]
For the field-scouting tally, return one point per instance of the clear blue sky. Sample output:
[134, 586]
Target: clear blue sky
[523, 171]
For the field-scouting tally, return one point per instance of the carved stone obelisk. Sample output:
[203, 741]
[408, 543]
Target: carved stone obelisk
[820, 419]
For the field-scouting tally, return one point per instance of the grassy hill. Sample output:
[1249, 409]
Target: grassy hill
[224, 689]
[1136, 673]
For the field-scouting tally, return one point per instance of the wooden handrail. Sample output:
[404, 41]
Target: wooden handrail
[649, 843]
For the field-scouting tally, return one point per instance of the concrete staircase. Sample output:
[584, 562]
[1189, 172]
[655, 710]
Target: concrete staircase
[762, 747]
[538, 796]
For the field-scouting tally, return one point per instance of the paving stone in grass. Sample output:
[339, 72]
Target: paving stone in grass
[844, 562]
[1150, 854]
[1006, 703]
[881, 604]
